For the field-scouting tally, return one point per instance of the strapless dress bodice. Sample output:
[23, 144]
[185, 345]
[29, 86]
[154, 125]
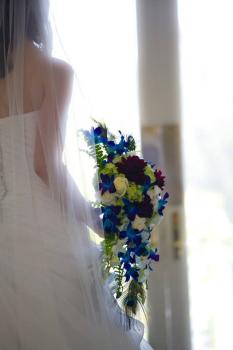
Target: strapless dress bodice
[17, 154]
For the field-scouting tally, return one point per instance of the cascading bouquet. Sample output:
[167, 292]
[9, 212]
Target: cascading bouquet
[132, 204]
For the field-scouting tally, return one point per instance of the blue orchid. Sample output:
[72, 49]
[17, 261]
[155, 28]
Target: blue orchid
[109, 225]
[154, 255]
[98, 131]
[132, 234]
[141, 250]
[111, 210]
[122, 146]
[111, 219]
[131, 209]
[131, 272]
[117, 148]
[162, 202]
[99, 135]
[126, 258]
[147, 184]
[106, 183]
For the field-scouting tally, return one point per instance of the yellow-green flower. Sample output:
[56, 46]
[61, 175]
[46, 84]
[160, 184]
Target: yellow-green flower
[134, 192]
[117, 159]
[109, 169]
[150, 172]
[119, 202]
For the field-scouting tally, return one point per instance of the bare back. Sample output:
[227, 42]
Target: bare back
[36, 81]
[37, 92]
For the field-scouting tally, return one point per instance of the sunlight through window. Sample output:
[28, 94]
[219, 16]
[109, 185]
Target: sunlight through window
[207, 96]
[104, 55]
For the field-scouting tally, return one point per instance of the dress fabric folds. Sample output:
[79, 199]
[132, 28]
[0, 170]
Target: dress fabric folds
[41, 305]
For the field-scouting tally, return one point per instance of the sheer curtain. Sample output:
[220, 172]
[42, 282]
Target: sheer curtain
[207, 95]
[99, 39]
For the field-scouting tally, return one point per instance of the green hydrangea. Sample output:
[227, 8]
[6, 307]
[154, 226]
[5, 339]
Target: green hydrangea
[117, 159]
[119, 202]
[109, 169]
[134, 192]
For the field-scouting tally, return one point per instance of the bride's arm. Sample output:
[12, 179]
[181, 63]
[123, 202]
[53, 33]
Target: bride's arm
[82, 208]
[59, 96]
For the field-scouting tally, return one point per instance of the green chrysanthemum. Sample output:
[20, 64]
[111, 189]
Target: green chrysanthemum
[150, 172]
[117, 159]
[134, 192]
[109, 169]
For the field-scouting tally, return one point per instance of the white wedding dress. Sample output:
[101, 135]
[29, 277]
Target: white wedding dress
[40, 307]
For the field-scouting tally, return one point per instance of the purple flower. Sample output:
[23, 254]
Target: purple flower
[159, 179]
[154, 255]
[145, 208]
[133, 168]
[110, 157]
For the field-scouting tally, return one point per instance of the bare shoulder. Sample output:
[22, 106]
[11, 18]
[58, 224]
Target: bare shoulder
[58, 74]
[63, 71]
[40, 58]
[49, 69]
[63, 77]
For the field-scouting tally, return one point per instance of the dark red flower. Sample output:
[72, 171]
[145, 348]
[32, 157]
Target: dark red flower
[145, 208]
[159, 179]
[133, 168]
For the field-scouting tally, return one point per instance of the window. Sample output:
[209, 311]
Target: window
[99, 38]
[206, 52]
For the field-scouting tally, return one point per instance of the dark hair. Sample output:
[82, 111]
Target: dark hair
[33, 29]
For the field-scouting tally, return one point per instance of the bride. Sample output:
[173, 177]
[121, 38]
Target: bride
[52, 295]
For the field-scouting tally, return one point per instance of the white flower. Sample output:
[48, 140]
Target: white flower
[120, 246]
[153, 193]
[145, 235]
[156, 220]
[143, 275]
[141, 261]
[157, 190]
[108, 197]
[139, 223]
[121, 184]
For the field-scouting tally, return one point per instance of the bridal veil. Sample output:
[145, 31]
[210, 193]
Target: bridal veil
[68, 174]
